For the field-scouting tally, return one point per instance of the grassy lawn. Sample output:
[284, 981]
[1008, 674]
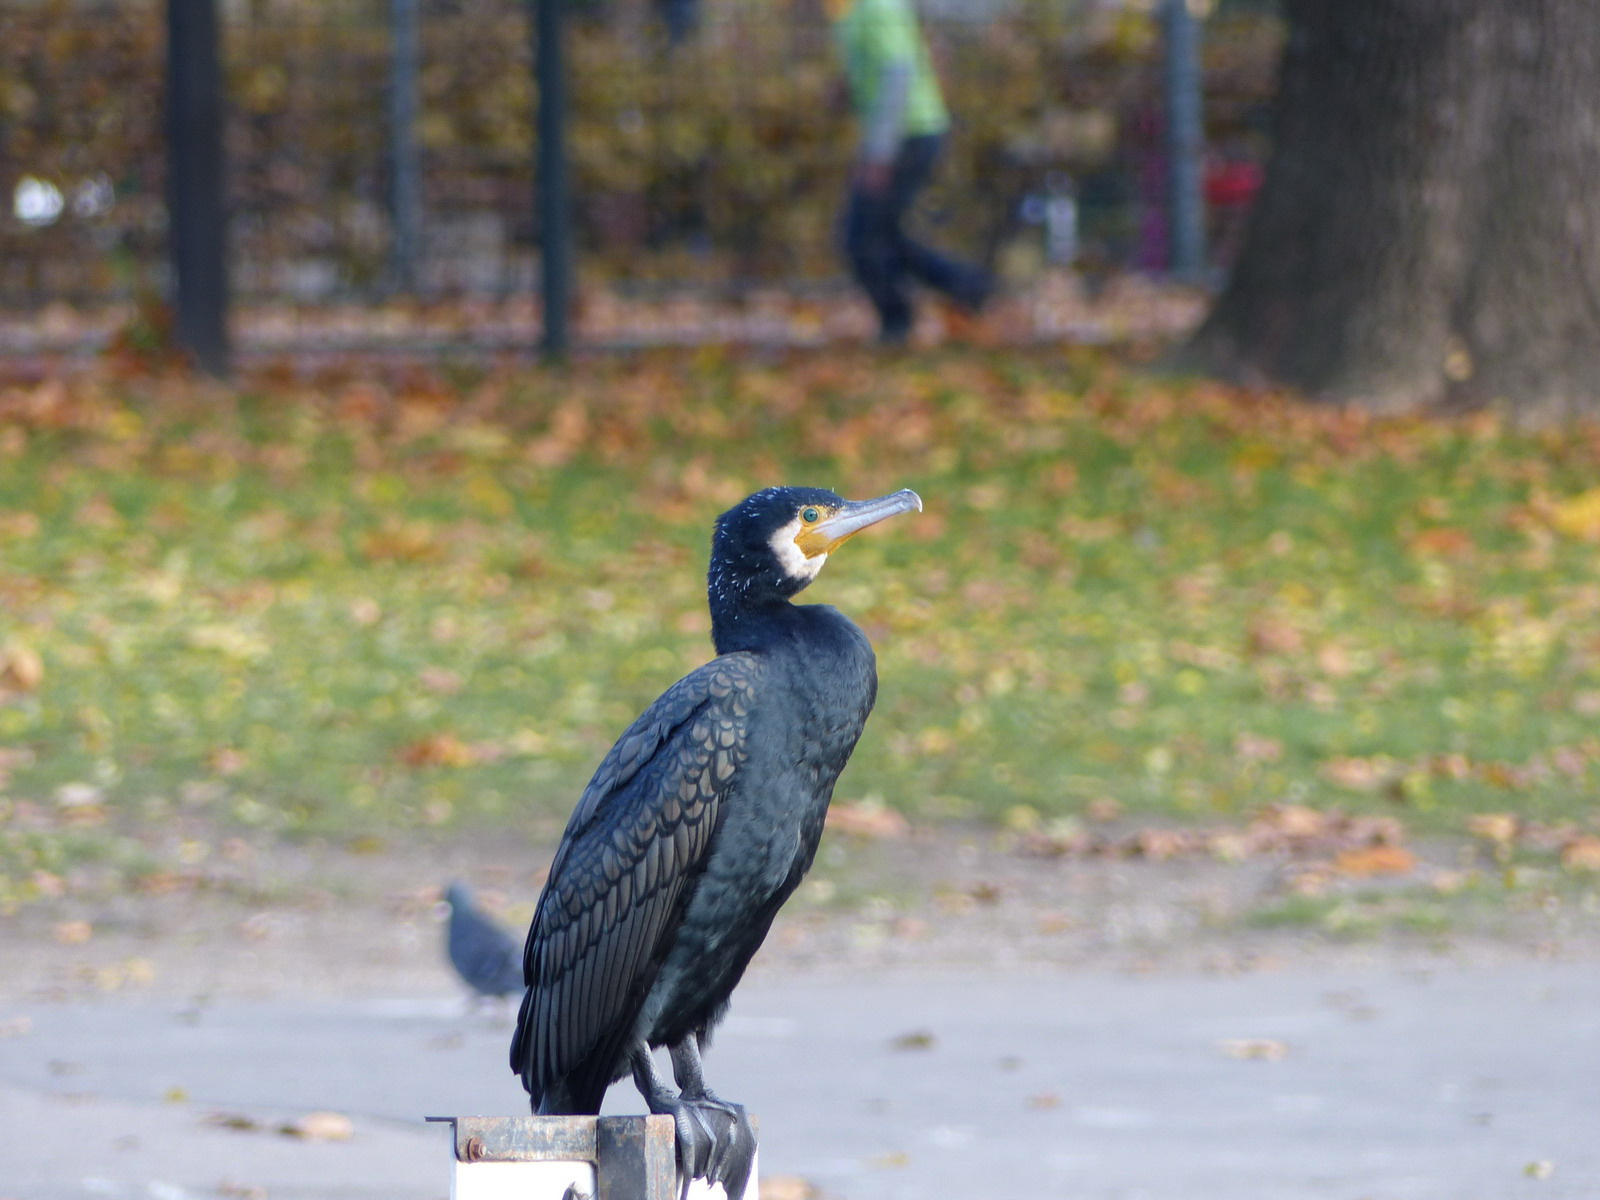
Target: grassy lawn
[345, 606]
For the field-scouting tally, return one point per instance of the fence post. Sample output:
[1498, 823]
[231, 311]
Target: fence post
[405, 161]
[1185, 143]
[555, 218]
[197, 222]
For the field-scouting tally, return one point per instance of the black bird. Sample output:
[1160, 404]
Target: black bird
[483, 954]
[695, 829]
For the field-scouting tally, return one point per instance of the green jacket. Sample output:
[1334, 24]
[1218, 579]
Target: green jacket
[892, 84]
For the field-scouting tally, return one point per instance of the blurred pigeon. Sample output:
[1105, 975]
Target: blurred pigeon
[482, 953]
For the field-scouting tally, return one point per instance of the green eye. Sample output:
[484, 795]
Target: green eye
[810, 515]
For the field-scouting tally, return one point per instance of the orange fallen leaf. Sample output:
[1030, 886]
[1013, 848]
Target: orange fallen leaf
[1582, 853]
[438, 750]
[1444, 543]
[1158, 845]
[1499, 828]
[1357, 774]
[1271, 634]
[1375, 860]
[21, 668]
[867, 819]
[1293, 820]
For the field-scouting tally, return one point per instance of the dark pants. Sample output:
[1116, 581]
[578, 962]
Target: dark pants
[885, 260]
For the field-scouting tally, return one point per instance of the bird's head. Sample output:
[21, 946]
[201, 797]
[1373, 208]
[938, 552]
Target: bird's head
[770, 545]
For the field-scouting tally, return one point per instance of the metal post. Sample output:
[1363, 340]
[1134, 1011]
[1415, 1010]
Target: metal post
[1185, 143]
[405, 199]
[196, 215]
[557, 1158]
[555, 218]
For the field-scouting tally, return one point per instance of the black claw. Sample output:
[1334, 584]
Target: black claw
[695, 1146]
[715, 1142]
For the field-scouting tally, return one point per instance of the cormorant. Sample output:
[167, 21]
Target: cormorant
[695, 829]
[483, 954]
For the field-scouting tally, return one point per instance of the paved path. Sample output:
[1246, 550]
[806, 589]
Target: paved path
[1396, 1085]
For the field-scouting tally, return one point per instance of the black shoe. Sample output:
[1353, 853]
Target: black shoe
[975, 293]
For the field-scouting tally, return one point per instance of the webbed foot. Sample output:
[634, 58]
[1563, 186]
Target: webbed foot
[715, 1143]
[715, 1139]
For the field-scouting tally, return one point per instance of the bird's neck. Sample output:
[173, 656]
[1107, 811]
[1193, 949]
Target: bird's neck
[750, 625]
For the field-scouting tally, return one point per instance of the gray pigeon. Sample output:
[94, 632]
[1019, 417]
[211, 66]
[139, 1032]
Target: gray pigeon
[483, 954]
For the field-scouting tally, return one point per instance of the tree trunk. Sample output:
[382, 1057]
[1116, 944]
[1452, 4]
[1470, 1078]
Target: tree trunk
[1429, 229]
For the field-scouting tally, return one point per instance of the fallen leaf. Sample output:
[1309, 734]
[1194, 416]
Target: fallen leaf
[987, 893]
[787, 1187]
[1159, 845]
[1443, 543]
[365, 611]
[438, 750]
[440, 679]
[1271, 634]
[320, 1127]
[1044, 1100]
[1578, 516]
[1381, 859]
[895, 1158]
[1582, 853]
[1541, 1168]
[1358, 774]
[867, 819]
[227, 761]
[1252, 747]
[1499, 828]
[917, 1039]
[1266, 1049]
[72, 933]
[1103, 809]
[241, 1122]
[21, 668]
[1293, 820]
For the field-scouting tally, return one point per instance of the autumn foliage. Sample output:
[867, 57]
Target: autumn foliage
[362, 599]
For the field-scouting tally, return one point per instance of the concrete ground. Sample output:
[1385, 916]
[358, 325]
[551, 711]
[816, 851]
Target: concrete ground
[1326, 1079]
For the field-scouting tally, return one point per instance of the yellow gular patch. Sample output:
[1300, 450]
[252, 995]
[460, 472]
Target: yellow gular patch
[812, 541]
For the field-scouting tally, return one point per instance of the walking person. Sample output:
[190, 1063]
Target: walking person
[903, 121]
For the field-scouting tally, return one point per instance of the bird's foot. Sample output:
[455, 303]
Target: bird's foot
[715, 1142]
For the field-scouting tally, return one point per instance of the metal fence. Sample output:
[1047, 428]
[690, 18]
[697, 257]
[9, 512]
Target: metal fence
[713, 161]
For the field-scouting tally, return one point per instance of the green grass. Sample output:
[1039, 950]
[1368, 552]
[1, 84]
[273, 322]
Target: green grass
[345, 609]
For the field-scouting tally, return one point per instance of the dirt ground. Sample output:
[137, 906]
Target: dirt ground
[326, 920]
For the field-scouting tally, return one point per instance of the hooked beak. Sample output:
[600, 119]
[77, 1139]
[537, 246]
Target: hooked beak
[828, 535]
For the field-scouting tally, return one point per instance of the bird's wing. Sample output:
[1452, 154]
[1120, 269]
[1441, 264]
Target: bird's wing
[616, 887]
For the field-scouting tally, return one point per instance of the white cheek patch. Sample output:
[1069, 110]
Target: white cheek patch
[791, 558]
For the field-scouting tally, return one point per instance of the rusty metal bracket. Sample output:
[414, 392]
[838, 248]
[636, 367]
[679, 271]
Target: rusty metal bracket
[633, 1157]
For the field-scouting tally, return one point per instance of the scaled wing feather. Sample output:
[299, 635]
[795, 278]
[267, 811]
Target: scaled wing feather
[618, 883]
